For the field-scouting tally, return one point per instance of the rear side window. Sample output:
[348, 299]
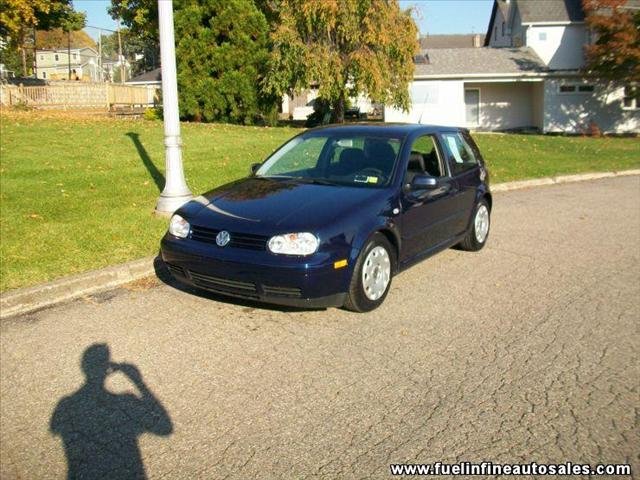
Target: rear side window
[460, 154]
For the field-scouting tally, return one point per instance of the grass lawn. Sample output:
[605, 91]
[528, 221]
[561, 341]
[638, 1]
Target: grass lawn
[78, 193]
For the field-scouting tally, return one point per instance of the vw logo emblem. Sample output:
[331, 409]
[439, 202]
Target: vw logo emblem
[222, 238]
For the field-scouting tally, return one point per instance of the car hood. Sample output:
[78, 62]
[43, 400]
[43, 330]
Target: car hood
[279, 203]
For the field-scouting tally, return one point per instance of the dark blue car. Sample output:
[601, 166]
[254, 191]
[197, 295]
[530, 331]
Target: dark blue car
[333, 214]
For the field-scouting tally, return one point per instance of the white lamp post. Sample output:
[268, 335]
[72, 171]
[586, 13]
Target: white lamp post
[175, 193]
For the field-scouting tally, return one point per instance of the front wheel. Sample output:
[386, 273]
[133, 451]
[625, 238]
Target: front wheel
[372, 275]
[479, 232]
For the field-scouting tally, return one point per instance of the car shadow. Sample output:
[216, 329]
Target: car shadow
[100, 429]
[158, 177]
[163, 274]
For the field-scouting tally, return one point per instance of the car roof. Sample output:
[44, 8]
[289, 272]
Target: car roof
[390, 129]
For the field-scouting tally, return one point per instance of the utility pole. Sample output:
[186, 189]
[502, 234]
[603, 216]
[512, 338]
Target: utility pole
[69, 53]
[175, 192]
[35, 52]
[121, 59]
[100, 55]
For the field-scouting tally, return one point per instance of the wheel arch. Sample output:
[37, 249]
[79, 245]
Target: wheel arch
[489, 198]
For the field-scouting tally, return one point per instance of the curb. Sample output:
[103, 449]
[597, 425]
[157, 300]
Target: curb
[30, 299]
[26, 300]
[539, 182]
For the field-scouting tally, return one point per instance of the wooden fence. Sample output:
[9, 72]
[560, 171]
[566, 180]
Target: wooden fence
[79, 96]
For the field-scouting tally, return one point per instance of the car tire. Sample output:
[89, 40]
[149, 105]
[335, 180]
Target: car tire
[377, 261]
[478, 232]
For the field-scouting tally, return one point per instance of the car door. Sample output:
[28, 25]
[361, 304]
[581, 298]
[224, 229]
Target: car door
[464, 165]
[426, 214]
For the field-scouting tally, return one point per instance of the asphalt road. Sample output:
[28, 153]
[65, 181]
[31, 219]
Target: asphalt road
[526, 351]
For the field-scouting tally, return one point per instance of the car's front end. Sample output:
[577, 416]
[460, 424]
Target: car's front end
[245, 267]
[274, 241]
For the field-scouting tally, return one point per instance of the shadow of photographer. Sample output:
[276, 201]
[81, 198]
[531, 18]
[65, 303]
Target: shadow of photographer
[100, 429]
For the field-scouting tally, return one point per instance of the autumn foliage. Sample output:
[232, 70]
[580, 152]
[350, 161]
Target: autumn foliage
[346, 47]
[616, 52]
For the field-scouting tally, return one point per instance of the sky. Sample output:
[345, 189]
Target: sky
[432, 16]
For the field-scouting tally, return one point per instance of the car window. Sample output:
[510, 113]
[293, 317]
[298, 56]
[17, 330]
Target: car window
[424, 157]
[459, 152]
[301, 155]
[358, 160]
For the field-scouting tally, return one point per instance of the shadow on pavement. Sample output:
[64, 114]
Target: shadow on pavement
[100, 429]
[165, 277]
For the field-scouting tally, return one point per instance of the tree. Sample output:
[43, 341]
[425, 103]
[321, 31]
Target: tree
[615, 55]
[20, 18]
[140, 16]
[221, 53]
[57, 38]
[346, 47]
[133, 47]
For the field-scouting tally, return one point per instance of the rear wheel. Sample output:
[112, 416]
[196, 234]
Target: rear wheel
[479, 231]
[372, 275]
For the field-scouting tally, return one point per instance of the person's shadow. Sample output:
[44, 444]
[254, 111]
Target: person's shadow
[100, 429]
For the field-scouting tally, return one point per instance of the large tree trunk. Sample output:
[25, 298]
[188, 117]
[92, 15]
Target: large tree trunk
[338, 109]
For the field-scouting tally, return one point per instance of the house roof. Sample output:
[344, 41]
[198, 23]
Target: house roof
[532, 11]
[64, 50]
[480, 61]
[463, 40]
[147, 77]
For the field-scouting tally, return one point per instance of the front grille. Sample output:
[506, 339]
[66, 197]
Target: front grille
[175, 270]
[223, 285]
[238, 240]
[282, 291]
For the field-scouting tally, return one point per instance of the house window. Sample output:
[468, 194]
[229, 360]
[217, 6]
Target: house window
[44, 74]
[576, 88]
[542, 36]
[631, 98]
[56, 57]
[75, 56]
[41, 57]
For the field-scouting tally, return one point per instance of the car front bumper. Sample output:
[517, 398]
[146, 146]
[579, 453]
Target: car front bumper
[257, 276]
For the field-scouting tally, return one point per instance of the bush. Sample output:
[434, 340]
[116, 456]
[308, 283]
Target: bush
[153, 114]
[221, 50]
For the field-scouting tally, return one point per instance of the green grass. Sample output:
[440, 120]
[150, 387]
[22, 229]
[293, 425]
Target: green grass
[519, 157]
[78, 194]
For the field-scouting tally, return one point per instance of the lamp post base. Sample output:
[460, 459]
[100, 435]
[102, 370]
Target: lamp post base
[167, 205]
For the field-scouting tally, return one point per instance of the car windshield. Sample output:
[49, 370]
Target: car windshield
[355, 160]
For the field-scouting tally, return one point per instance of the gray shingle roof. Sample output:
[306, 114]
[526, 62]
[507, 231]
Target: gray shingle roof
[464, 40]
[550, 10]
[484, 60]
[151, 76]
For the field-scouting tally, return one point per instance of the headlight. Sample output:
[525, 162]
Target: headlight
[294, 244]
[179, 227]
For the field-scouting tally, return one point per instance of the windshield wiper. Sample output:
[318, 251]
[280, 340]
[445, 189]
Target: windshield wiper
[316, 181]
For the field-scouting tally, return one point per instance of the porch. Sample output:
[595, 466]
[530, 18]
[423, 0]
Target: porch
[503, 105]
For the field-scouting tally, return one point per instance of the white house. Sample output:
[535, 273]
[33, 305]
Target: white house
[54, 64]
[527, 76]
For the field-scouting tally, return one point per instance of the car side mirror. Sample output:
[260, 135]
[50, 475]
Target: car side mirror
[424, 182]
[254, 168]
